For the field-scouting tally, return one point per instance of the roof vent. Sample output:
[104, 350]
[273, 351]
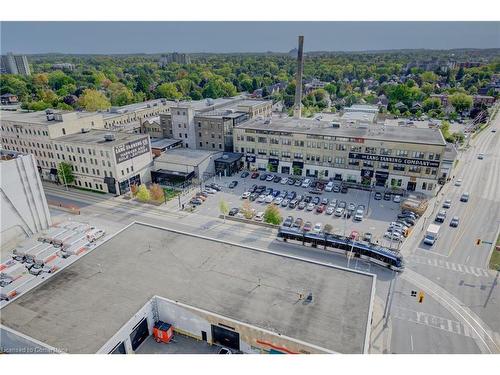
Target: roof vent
[109, 137]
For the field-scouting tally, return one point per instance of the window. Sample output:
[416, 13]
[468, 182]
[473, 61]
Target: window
[298, 155]
[370, 150]
[180, 135]
[414, 169]
[398, 167]
[384, 165]
[341, 147]
[262, 139]
[385, 151]
[418, 154]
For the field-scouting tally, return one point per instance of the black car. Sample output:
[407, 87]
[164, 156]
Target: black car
[316, 200]
[269, 191]
[214, 186]
[253, 197]
[234, 211]
[244, 174]
[252, 188]
[377, 196]
[288, 221]
[308, 199]
[263, 176]
[387, 196]
[277, 179]
[291, 195]
[260, 189]
[344, 190]
[232, 184]
[315, 191]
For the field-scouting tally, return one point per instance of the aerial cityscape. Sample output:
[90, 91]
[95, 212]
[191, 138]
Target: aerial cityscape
[230, 201]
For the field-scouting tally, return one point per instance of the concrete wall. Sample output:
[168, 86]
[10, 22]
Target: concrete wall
[23, 201]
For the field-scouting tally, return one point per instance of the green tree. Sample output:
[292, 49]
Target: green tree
[431, 103]
[430, 77]
[461, 102]
[143, 194]
[168, 90]
[120, 94]
[65, 173]
[223, 208]
[59, 79]
[93, 100]
[272, 215]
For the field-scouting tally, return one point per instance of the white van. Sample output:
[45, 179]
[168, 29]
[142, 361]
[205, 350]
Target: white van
[329, 186]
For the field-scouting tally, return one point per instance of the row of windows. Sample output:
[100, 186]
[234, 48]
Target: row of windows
[21, 142]
[213, 145]
[25, 131]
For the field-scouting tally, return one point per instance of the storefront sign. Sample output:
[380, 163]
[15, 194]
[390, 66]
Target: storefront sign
[382, 175]
[394, 160]
[131, 150]
[368, 173]
[250, 158]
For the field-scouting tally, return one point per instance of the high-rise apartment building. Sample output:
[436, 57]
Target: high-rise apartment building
[15, 64]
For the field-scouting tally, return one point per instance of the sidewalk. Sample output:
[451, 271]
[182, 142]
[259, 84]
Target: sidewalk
[380, 340]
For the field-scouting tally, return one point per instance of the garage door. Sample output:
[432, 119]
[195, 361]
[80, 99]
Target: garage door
[225, 337]
[139, 334]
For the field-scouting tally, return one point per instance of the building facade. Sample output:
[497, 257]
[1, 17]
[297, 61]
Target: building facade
[24, 206]
[106, 161]
[381, 156]
[15, 64]
[179, 58]
[34, 132]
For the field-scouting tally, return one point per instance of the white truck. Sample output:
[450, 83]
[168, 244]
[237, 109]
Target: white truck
[431, 235]
[11, 270]
[94, 234]
[15, 288]
[30, 255]
[20, 251]
[42, 261]
[52, 234]
[75, 249]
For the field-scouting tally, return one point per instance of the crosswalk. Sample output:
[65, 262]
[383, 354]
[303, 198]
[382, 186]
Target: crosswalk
[440, 263]
[431, 320]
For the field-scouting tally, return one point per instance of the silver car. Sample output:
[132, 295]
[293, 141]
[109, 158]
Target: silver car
[310, 207]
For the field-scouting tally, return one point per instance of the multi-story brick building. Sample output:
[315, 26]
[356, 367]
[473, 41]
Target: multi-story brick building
[371, 154]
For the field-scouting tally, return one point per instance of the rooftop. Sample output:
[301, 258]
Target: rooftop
[325, 128]
[84, 305]
[185, 156]
[164, 142]
[40, 117]
[114, 111]
[97, 137]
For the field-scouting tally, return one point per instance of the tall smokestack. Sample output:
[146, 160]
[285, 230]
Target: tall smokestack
[297, 107]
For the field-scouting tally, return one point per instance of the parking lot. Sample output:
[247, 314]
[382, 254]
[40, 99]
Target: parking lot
[378, 213]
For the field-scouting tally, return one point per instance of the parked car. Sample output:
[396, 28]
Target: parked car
[458, 182]
[480, 156]
[397, 199]
[351, 206]
[329, 186]
[377, 196]
[393, 236]
[298, 223]
[209, 190]
[259, 216]
[333, 203]
[317, 228]
[298, 182]
[464, 197]
[284, 180]
[320, 209]
[387, 196]
[278, 200]
[214, 186]
[288, 221]
[285, 202]
[336, 188]
[252, 188]
[307, 226]
[310, 206]
[254, 175]
[344, 189]
[291, 181]
[195, 201]
[260, 189]
[330, 210]
[339, 211]
[325, 201]
[302, 205]
[232, 184]
[359, 215]
[261, 198]
[307, 198]
[277, 179]
[253, 197]
[244, 174]
[342, 204]
[447, 203]
[354, 235]
[315, 200]
[367, 237]
[306, 183]
[276, 193]
[269, 191]
[263, 177]
[269, 198]
[454, 221]
[315, 191]
[291, 195]
[269, 177]
[299, 198]
[234, 211]
[293, 203]
[245, 195]
[283, 194]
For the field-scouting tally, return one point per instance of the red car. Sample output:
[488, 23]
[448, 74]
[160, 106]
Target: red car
[354, 235]
[320, 209]
[254, 175]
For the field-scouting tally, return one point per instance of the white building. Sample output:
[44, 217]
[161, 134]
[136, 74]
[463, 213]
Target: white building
[24, 206]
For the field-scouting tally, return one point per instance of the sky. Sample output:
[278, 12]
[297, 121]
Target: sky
[220, 37]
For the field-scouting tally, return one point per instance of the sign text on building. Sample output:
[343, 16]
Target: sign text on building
[394, 160]
[131, 150]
